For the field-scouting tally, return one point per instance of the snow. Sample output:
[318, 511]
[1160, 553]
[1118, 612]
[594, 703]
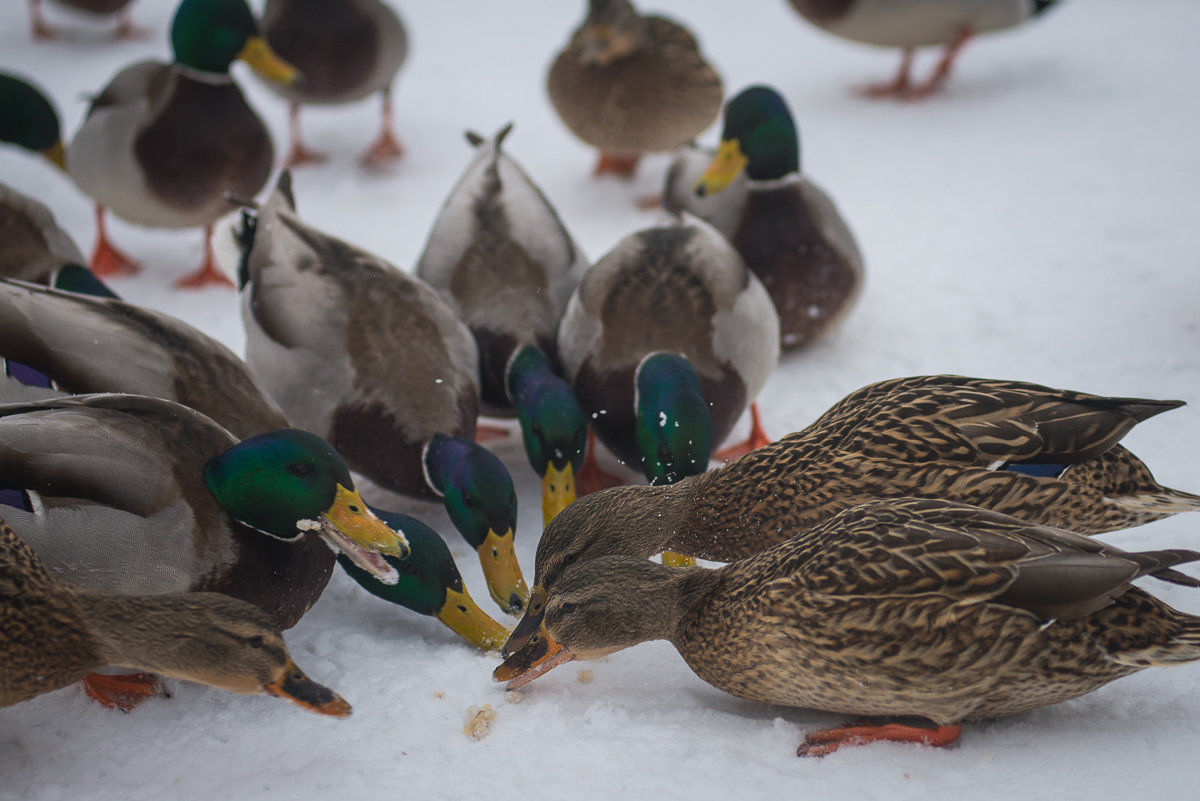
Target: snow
[1036, 221]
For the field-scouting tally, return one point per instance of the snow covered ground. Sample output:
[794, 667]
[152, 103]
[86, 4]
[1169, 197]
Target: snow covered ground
[1036, 221]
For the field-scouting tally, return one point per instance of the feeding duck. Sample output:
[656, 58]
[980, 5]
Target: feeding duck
[137, 495]
[500, 254]
[346, 51]
[125, 28]
[35, 247]
[785, 226]
[917, 23]
[30, 120]
[375, 361]
[1044, 455]
[56, 342]
[52, 634]
[628, 83]
[163, 144]
[900, 607]
[666, 340]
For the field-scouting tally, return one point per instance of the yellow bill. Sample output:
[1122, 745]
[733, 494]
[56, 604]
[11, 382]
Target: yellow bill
[263, 60]
[467, 620]
[558, 491]
[503, 574]
[725, 167]
[56, 154]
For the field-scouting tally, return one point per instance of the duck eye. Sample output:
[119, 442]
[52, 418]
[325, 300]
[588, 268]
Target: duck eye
[256, 641]
[468, 501]
[300, 469]
[567, 609]
[408, 568]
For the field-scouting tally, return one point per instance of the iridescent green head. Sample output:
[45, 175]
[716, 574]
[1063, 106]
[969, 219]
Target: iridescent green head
[478, 495]
[209, 35]
[28, 119]
[673, 429]
[759, 138]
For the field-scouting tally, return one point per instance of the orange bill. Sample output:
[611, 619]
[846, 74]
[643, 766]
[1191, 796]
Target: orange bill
[540, 655]
[303, 691]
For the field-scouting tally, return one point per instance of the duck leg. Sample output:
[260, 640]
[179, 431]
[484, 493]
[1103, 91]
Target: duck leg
[126, 30]
[122, 692]
[106, 260]
[942, 71]
[387, 147]
[898, 86]
[592, 478]
[40, 29]
[298, 152]
[208, 274]
[622, 165]
[758, 437]
[485, 433]
[826, 741]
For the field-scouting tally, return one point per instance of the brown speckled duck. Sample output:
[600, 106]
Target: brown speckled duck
[628, 84]
[35, 247]
[901, 607]
[1044, 455]
[53, 634]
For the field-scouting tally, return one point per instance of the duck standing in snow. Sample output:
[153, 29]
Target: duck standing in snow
[163, 144]
[125, 28]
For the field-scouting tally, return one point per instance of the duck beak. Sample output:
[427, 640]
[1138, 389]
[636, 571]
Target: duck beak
[726, 166]
[56, 154]
[503, 574]
[540, 655]
[293, 685]
[350, 527]
[467, 620]
[263, 60]
[529, 624]
[558, 491]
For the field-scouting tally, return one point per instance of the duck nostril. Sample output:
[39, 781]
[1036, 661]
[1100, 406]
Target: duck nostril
[514, 603]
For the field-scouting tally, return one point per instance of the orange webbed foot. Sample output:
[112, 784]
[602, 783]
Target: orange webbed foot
[485, 433]
[826, 741]
[108, 262]
[383, 152]
[592, 478]
[622, 165]
[122, 692]
[758, 438]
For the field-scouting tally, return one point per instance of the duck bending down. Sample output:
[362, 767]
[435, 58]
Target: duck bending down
[904, 607]
[125, 28]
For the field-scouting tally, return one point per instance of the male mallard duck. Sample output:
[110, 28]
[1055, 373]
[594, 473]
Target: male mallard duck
[666, 340]
[30, 120]
[628, 84]
[346, 51]
[52, 634]
[501, 255]
[35, 247]
[784, 226]
[163, 144]
[909, 607]
[125, 28]
[1044, 455]
[910, 24]
[375, 361]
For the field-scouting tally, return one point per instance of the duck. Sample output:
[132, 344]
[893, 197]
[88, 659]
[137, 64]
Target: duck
[54, 343]
[628, 83]
[346, 51]
[502, 258]
[1048, 456]
[36, 247]
[30, 120]
[666, 340]
[53, 634]
[375, 361]
[917, 23]
[42, 30]
[905, 607]
[783, 224]
[163, 144]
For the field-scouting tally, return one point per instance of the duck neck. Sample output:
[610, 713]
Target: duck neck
[133, 631]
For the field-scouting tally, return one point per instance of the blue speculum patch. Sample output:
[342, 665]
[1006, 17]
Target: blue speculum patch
[15, 498]
[1039, 470]
[25, 374]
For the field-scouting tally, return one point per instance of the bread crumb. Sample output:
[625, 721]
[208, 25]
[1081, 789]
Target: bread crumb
[585, 676]
[479, 721]
[514, 697]
[438, 694]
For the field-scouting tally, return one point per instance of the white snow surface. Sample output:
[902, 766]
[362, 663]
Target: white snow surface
[1037, 220]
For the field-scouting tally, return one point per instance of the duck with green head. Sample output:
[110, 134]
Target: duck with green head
[375, 361]
[163, 144]
[784, 226]
[501, 256]
[30, 120]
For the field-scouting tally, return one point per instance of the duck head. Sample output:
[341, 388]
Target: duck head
[673, 428]
[289, 482]
[612, 30]
[29, 120]
[759, 139]
[209, 35]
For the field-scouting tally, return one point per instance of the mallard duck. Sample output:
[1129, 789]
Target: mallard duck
[346, 51]
[163, 144]
[628, 84]
[30, 120]
[501, 256]
[375, 361]
[52, 634]
[666, 340]
[784, 226]
[909, 24]
[125, 28]
[900, 607]
[35, 247]
[1044, 455]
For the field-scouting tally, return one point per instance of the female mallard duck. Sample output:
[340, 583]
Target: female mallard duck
[35, 247]
[908, 607]
[628, 84]
[163, 144]
[30, 120]
[52, 634]
[910, 24]
[125, 28]
[81, 344]
[375, 361]
[1044, 455]
[500, 254]
[346, 51]
[784, 226]
[666, 340]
